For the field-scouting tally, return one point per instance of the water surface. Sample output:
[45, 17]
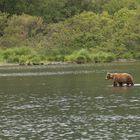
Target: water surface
[68, 102]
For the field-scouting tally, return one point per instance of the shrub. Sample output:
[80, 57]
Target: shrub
[137, 55]
[81, 56]
[127, 55]
[3, 22]
[24, 25]
[19, 29]
[102, 57]
[15, 52]
[81, 59]
[22, 55]
[30, 60]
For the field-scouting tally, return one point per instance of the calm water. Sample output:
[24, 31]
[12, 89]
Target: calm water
[71, 102]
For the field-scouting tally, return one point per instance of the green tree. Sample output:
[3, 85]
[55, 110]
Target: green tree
[20, 29]
[3, 22]
[113, 6]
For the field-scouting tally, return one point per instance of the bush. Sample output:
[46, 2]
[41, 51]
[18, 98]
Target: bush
[137, 55]
[3, 22]
[127, 55]
[81, 56]
[19, 29]
[8, 53]
[22, 56]
[56, 58]
[30, 60]
[102, 57]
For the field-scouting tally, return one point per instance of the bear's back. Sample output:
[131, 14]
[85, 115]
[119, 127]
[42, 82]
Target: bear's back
[123, 77]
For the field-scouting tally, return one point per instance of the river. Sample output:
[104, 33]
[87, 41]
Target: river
[68, 102]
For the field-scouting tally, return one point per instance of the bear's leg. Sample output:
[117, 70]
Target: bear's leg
[120, 84]
[132, 84]
[128, 84]
[115, 84]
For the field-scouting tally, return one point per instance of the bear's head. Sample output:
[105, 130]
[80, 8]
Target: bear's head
[109, 76]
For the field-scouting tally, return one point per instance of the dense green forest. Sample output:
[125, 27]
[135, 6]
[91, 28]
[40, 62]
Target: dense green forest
[40, 31]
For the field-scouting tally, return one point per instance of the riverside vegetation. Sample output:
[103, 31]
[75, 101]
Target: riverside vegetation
[81, 31]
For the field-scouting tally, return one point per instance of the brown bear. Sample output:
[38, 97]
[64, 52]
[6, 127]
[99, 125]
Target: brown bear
[120, 78]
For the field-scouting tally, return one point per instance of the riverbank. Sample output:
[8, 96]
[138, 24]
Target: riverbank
[120, 61]
[43, 56]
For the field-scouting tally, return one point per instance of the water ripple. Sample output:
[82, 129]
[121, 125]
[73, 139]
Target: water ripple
[46, 73]
[67, 107]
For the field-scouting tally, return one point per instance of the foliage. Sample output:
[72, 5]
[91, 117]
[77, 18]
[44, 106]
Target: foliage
[113, 6]
[3, 22]
[58, 10]
[81, 56]
[69, 30]
[84, 55]
[22, 56]
[20, 28]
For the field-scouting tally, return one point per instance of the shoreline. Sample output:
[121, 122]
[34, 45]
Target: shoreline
[68, 63]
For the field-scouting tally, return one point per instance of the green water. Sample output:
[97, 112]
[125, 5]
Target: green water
[68, 102]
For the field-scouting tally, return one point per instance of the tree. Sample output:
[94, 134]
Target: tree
[20, 29]
[3, 23]
[113, 6]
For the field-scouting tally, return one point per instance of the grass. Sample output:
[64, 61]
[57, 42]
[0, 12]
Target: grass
[33, 56]
[21, 55]
[84, 56]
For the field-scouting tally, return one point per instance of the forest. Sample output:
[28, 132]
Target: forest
[75, 31]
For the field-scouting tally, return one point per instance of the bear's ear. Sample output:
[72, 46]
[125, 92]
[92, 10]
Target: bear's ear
[111, 76]
[108, 73]
[107, 76]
